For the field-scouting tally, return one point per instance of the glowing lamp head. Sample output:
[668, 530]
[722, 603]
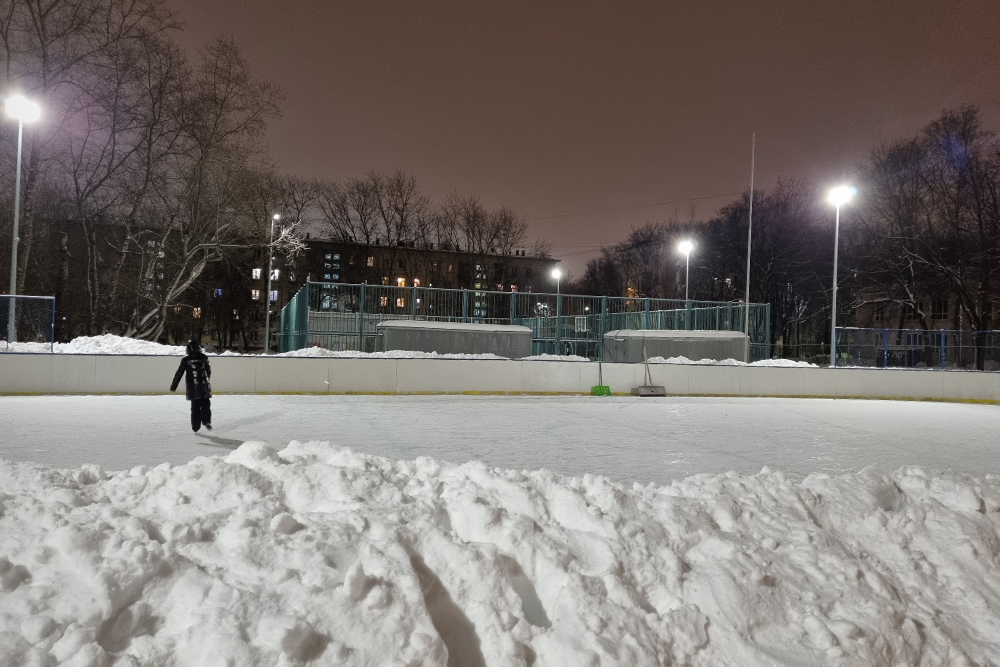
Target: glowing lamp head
[22, 109]
[276, 216]
[557, 274]
[841, 195]
[685, 247]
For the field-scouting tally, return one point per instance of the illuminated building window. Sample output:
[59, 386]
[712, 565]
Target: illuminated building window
[400, 282]
[400, 302]
[256, 274]
[255, 294]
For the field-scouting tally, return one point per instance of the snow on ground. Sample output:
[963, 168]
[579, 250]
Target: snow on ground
[782, 363]
[318, 554]
[112, 344]
[104, 344]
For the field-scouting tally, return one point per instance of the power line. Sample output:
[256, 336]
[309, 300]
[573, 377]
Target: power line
[629, 208]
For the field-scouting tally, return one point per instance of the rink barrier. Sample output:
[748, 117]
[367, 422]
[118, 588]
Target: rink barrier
[139, 374]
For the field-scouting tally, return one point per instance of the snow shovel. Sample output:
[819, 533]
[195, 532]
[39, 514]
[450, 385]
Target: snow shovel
[648, 389]
[601, 389]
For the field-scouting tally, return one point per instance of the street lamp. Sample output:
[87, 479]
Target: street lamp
[557, 274]
[270, 274]
[686, 247]
[23, 111]
[838, 197]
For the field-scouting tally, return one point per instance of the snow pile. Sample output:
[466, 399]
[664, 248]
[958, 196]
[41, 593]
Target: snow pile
[391, 354]
[317, 554]
[105, 344]
[555, 357]
[782, 363]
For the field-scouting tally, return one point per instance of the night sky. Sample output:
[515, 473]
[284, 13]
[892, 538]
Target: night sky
[557, 108]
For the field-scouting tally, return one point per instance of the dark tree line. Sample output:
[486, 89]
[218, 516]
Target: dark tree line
[924, 229]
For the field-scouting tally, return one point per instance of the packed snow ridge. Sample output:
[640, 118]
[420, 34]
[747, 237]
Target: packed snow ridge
[112, 344]
[316, 554]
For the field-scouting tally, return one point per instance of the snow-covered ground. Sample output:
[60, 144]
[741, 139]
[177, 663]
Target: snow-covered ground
[315, 554]
[670, 531]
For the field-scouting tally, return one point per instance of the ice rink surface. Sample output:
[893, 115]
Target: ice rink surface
[625, 438]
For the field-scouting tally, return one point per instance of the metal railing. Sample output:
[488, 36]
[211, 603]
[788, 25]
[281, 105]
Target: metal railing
[26, 319]
[344, 317]
[918, 348]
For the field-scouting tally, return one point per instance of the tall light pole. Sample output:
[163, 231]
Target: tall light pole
[557, 274]
[838, 197]
[746, 302]
[23, 111]
[686, 247]
[270, 274]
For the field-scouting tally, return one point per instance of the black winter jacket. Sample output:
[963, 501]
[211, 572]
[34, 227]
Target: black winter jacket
[199, 374]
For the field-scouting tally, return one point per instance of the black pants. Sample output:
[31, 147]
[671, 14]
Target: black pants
[201, 413]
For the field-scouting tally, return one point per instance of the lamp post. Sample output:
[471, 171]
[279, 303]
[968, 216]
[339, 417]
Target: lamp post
[557, 274]
[838, 197]
[267, 297]
[686, 247]
[23, 111]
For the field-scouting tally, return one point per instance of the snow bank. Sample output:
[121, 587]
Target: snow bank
[784, 363]
[318, 554]
[105, 344]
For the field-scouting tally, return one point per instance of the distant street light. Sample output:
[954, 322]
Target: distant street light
[270, 274]
[686, 247]
[838, 197]
[23, 111]
[557, 274]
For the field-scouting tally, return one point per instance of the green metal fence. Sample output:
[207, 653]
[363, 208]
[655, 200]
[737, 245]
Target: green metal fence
[343, 317]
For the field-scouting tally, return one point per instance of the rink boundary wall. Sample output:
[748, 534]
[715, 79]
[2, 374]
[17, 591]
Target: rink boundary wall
[140, 374]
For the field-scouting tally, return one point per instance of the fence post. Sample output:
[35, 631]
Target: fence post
[465, 305]
[944, 338]
[645, 314]
[885, 351]
[687, 314]
[604, 327]
[52, 332]
[513, 307]
[361, 320]
[729, 316]
[558, 322]
[414, 297]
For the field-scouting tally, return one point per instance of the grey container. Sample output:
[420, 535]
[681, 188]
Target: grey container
[508, 341]
[625, 345]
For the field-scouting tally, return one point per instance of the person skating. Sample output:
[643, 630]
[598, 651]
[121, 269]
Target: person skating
[199, 389]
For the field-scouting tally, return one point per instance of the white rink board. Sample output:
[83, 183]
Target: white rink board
[146, 374]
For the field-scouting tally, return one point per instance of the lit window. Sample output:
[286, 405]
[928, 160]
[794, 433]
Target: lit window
[336, 255]
[275, 273]
[416, 282]
[384, 301]
[336, 265]
[256, 274]
[328, 256]
[218, 292]
[255, 294]
[451, 268]
[513, 288]
[274, 295]
[326, 276]
[400, 282]
[400, 302]
[196, 313]
[371, 261]
[177, 310]
[336, 276]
